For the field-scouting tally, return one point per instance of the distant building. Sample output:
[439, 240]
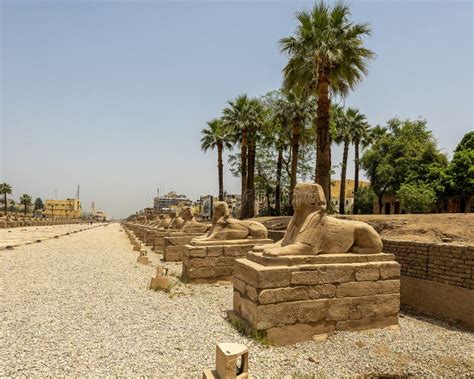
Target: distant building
[70, 208]
[205, 205]
[349, 196]
[97, 214]
[171, 202]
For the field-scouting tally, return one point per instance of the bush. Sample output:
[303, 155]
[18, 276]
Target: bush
[365, 197]
[416, 198]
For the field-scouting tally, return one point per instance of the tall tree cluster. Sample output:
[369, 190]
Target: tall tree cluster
[287, 134]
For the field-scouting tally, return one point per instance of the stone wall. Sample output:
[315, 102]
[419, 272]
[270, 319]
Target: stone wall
[437, 279]
[442, 263]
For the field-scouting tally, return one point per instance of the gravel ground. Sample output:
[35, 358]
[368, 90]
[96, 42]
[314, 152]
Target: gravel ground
[79, 306]
[12, 237]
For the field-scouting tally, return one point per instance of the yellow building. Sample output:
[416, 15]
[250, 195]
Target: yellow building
[70, 208]
[349, 196]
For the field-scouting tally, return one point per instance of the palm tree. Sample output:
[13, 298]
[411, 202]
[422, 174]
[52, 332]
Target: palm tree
[26, 201]
[5, 189]
[275, 137]
[342, 135]
[256, 122]
[245, 117]
[216, 136]
[360, 130]
[235, 116]
[296, 112]
[366, 137]
[326, 54]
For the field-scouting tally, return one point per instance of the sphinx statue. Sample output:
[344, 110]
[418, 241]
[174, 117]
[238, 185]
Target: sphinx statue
[225, 227]
[157, 221]
[166, 221]
[177, 222]
[190, 224]
[312, 232]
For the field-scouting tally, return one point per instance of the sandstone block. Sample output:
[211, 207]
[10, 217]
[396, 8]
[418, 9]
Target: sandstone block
[290, 334]
[368, 272]
[237, 251]
[195, 252]
[239, 285]
[389, 270]
[324, 274]
[214, 251]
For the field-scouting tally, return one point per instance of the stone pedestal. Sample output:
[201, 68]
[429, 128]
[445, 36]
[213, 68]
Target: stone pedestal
[149, 238]
[211, 261]
[174, 245]
[159, 239]
[292, 298]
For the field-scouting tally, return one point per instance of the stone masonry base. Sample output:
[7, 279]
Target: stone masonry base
[214, 261]
[174, 245]
[290, 299]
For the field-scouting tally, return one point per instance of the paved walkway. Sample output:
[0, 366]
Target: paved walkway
[79, 305]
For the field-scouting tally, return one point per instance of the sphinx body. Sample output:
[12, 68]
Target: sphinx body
[190, 224]
[166, 222]
[225, 227]
[311, 231]
[176, 223]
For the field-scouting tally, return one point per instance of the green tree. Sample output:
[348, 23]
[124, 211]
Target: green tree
[460, 173]
[38, 204]
[361, 135]
[216, 136]
[246, 118]
[365, 198]
[25, 200]
[405, 154]
[326, 54]
[257, 122]
[275, 137]
[236, 117]
[295, 111]
[5, 189]
[341, 131]
[416, 198]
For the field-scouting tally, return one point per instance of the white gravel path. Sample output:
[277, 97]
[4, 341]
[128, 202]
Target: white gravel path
[79, 306]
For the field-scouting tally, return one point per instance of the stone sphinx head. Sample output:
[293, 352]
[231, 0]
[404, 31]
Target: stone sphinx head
[220, 209]
[308, 197]
[187, 214]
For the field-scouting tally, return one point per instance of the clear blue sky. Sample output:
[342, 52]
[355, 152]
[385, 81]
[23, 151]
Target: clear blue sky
[113, 95]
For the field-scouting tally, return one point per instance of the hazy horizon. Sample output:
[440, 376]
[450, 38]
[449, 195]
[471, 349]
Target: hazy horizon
[113, 96]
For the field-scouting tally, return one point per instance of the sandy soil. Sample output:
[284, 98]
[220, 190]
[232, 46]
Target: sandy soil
[446, 227]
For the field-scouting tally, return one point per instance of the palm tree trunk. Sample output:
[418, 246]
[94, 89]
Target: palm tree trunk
[278, 183]
[251, 175]
[356, 176]
[25, 209]
[295, 146]
[323, 144]
[269, 206]
[243, 174]
[342, 194]
[220, 171]
[5, 202]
